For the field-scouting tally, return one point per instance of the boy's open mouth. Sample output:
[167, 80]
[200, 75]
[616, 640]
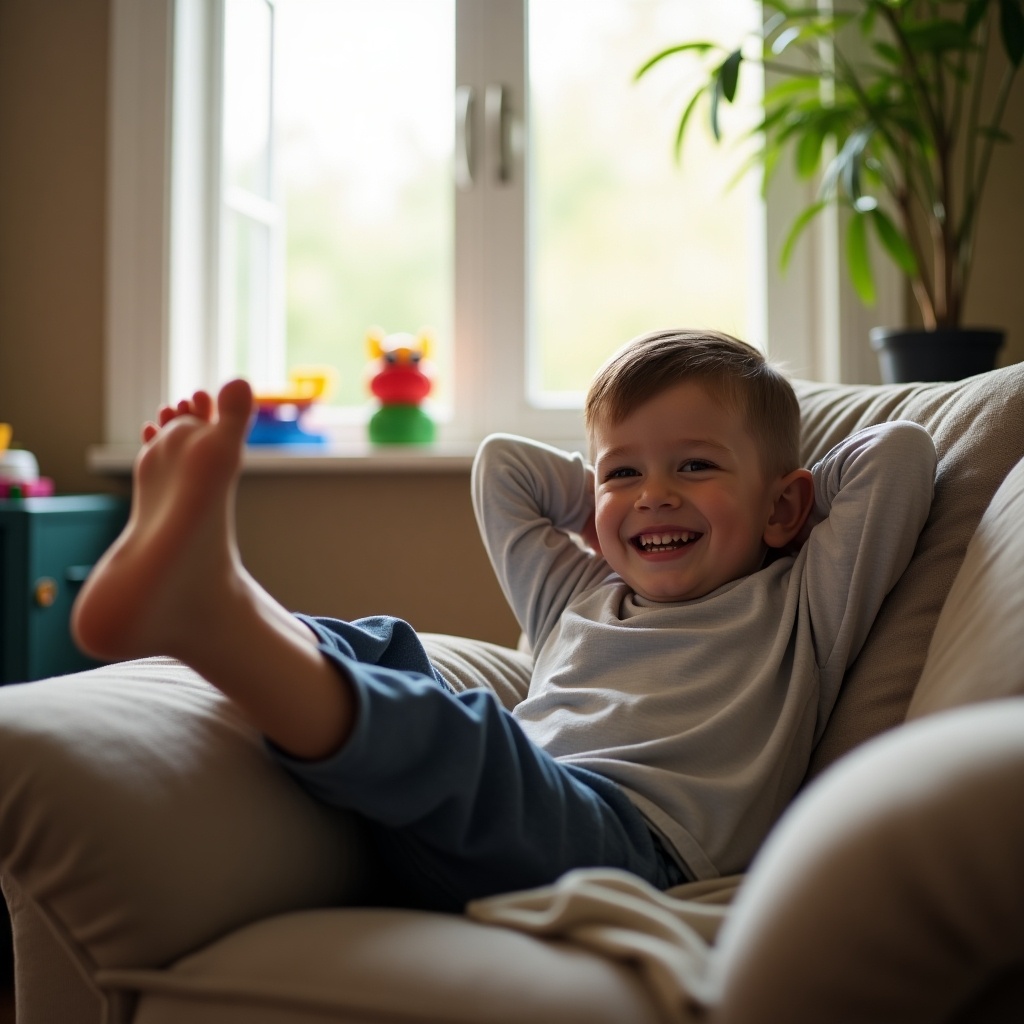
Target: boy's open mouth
[655, 543]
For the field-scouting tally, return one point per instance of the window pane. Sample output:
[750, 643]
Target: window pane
[624, 241]
[245, 305]
[364, 129]
[248, 40]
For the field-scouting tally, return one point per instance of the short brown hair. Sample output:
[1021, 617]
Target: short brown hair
[731, 370]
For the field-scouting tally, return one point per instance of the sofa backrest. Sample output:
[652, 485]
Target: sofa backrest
[978, 428]
[977, 649]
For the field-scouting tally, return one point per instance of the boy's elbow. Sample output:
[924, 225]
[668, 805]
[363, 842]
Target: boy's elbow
[496, 454]
[917, 455]
[497, 443]
[490, 446]
[924, 447]
[913, 442]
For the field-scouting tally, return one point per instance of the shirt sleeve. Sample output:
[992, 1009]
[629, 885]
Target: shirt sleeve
[530, 499]
[873, 493]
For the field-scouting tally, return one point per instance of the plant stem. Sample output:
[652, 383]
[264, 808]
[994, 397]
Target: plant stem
[970, 220]
[919, 282]
[940, 220]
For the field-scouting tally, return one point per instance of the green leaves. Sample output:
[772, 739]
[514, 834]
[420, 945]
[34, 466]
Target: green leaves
[976, 11]
[725, 78]
[681, 130]
[859, 227]
[701, 49]
[884, 100]
[894, 242]
[858, 250]
[858, 259]
[668, 52]
[722, 84]
[797, 229]
[934, 36]
[1011, 27]
[728, 74]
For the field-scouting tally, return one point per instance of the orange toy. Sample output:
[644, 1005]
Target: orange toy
[279, 413]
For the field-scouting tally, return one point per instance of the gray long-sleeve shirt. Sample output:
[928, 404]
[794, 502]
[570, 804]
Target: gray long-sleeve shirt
[704, 712]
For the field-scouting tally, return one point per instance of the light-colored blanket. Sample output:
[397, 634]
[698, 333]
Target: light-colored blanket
[666, 936]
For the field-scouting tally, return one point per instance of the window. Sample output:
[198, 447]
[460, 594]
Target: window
[250, 228]
[365, 126]
[623, 240]
[286, 174]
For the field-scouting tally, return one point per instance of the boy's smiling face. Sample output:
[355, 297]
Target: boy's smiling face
[681, 504]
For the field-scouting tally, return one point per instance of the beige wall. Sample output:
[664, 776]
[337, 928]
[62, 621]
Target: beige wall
[344, 546]
[52, 210]
[365, 545]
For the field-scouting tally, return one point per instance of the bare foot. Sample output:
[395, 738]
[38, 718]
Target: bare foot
[178, 548]
[173, 583]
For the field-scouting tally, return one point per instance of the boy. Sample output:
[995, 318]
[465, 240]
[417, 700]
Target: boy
[685, 664]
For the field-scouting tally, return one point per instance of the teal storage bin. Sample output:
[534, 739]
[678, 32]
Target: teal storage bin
[47, 548]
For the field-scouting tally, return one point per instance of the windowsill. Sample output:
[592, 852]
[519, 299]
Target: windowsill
[340, 458]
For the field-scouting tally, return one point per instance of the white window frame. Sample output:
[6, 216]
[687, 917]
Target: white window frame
[162, 267]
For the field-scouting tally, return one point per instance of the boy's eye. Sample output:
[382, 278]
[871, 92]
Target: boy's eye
[695, 465]
[618, 474]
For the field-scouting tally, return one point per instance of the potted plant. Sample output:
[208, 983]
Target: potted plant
[890, 102]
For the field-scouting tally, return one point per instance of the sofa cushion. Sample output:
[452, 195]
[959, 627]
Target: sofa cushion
[976, 426]
[468, 664]
[977, 650]
[892, 888]
[142, 816]
[387, 966]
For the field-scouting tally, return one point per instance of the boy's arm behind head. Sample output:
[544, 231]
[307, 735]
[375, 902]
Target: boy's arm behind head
[873, 494]
[529, 500]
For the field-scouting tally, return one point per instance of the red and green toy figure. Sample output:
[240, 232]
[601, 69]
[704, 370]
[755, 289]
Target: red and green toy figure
[401, 382]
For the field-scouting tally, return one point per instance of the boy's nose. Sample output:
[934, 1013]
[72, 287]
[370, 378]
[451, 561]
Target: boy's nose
[657, 494]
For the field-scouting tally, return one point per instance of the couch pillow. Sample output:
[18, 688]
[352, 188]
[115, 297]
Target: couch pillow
[468, 664]
[977, 428]
[977, 650]
[891, 891]
[388, 966]
[140, 816]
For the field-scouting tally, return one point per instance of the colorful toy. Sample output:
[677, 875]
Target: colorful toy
[19, 471]
[279, 414]
[401, 382]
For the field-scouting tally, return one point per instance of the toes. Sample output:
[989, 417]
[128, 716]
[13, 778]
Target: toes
[234, 402]
[202, 405]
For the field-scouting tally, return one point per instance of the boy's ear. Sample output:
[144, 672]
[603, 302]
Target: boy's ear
[793, 504]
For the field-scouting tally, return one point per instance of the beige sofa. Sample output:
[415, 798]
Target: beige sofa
[159, 867]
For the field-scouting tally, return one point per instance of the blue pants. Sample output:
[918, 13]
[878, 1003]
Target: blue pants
[461, 803]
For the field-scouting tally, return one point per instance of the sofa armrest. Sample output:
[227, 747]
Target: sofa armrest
[144, 818]
[892, 889]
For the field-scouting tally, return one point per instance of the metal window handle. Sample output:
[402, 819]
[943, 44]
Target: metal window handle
[465, 100]
[498, 122]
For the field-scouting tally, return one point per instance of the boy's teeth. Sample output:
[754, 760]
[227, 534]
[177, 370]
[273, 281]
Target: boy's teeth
[665, 540]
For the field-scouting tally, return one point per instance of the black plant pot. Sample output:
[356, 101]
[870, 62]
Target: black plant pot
[906, 355]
